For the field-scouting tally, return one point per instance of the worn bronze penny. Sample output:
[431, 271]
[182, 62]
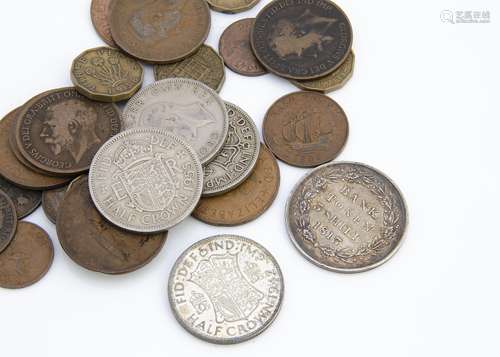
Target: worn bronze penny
[94, 243]
[106, 74]
[99, 12]
[25, 201]
[159, 31]
[301, 39]
[235, 49]
[27, 258]
[14, 171]
[333, 81]
[8, 220]
[205, 66]
[305, 129]
[246, 202]
[60, 131]
[232, 6]
[346, 217]
[51, 201]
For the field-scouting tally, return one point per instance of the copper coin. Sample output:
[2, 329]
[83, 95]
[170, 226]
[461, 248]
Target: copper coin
[60, 131]
[235, 49]
[160, 31]
[27, 258]
[305, 129]
[99, 12]
[14, 171]
[51, 201]
[8, 220]
[94, 243]
[301, 39]
[25, 201]
[249, 200]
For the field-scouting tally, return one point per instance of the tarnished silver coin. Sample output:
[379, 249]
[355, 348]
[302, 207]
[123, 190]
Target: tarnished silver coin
[237, 159]
[226, 289]
[187, 108]
[145, 180]
[346, 217]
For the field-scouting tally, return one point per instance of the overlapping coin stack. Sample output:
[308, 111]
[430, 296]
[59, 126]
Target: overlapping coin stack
[115, 182]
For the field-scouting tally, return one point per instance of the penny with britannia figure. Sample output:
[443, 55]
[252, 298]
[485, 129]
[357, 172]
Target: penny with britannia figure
[146, 180]
[107, 75]
[346, 217]
[94, 243]
[60, 131]
[236, 50]
[8, 220]
[305, 129]
[247, 201]
[99, 12]
[159, 31]
[25, 201]
[226, 289]
[27, 258]
[301, 39]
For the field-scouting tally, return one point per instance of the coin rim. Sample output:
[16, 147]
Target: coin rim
[102, 97]
[329, 267]
[234, 340]
[337, 154]
[14, 225]
[156, 228]
[97, 29]
[193, 82]
[322, 74]
[232, 10]
[234, 184]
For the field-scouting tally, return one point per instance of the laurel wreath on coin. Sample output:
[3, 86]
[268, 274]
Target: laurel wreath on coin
[392, 213]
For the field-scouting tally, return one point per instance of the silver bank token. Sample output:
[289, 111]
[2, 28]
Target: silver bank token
[145, 180]
[226, 289]
[346, 217]
[187, 108]
[237, 159]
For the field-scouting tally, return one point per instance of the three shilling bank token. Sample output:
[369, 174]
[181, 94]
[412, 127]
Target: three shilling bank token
[301, 39]
[346, 217]
[185, 107]
[146, 180]
[237, 159]
[226, 289]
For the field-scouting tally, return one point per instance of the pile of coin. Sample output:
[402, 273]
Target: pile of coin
[114, 183]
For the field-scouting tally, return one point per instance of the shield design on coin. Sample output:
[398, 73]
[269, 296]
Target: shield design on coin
[232, 296]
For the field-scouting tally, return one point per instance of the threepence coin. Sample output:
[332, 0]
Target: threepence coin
[25, 201]
[51, 201]
[237, 159]
[146, 180]
[226, 289]
[8, 220]
[187, 108]
[346, 217]
[99, 12]
[232, 6]
[301, 39]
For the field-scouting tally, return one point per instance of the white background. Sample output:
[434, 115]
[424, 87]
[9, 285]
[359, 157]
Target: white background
[423, 108]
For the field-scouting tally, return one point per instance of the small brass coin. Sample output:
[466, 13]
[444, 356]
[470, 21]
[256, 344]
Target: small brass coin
[99, 12]
[106, 74]
[232, 6]
[205, 66]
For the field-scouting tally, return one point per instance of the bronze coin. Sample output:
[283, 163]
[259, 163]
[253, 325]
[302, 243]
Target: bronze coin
[232, 6]
[8, 220]
[27, 258]
[60, 131]
[305, 129]
[25, 201]
[51, 201]
[205, 66]
[159, 31]
[94, 243]
[14, 171]
[235, 49]
[99, 12]
[301, 39]
[249, 200]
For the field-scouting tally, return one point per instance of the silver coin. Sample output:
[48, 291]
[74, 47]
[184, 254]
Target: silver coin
[187, 108]
[226, 289]
[145, 180]
[346, 217]
[237, 159]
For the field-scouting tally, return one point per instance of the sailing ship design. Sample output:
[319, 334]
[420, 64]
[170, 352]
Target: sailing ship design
[306, 132]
